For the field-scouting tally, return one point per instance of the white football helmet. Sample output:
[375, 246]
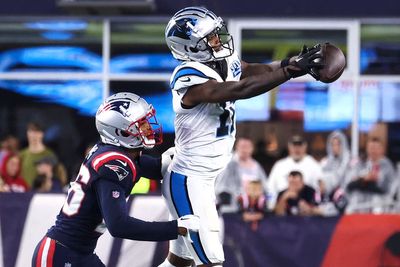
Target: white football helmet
[187, 31]
[126, 119]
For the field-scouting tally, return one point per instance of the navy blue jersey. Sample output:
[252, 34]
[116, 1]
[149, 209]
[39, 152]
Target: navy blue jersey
[97, 199]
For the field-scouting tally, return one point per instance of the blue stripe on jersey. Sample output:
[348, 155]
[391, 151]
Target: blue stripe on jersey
[187, 71]
[180, 198]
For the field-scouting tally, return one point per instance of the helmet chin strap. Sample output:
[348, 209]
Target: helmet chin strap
[148, 143]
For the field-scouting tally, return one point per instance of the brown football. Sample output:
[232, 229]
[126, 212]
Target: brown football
[334, 63]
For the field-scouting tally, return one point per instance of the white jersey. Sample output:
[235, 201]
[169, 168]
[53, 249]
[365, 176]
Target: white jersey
[205, 133]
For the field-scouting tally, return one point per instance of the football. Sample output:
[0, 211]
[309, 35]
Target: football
[334, 63]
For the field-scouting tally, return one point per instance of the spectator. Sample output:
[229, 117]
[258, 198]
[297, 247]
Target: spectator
[11, 174]
[46, 167]
[298, 160]
[42, 184]
[35, 151]
[331, 202]
[267, 151]
[3, 186]
[239, 171]
[335, 165]
[372, 183]
[298, 198]
[253, 203]
[8, 144]
[331, 196]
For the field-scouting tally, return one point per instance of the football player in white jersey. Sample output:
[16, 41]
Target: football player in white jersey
[204, 87]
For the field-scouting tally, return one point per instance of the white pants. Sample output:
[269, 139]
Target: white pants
[194, 195]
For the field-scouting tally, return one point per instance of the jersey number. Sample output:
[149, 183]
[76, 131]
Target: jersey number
[226, 125]
[76, 193]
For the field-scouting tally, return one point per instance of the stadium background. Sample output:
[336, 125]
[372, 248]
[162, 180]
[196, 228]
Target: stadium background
[58, 59]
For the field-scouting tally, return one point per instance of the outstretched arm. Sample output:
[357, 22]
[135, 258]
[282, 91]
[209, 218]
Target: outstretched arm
[251, 69]
[296, 66]
[216, 92]
[256, 79]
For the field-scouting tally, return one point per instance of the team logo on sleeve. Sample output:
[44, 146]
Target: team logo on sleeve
[115, 194]
[121, 172]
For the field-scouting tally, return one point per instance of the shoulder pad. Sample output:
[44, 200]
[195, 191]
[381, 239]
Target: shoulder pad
[114, 164]
[192, 73]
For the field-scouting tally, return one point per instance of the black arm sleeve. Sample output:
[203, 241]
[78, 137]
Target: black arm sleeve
[113, 206]
[149, 167]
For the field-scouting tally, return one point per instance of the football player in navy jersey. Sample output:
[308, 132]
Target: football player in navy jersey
[96, 200]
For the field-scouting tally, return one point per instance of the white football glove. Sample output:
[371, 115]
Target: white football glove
[191, 223]
[166, 159]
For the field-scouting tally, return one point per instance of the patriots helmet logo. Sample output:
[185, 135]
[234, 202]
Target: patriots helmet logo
[120, 171]
[120, 106]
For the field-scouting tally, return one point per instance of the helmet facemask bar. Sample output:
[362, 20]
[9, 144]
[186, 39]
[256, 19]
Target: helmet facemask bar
[147, 129]
[225, 47]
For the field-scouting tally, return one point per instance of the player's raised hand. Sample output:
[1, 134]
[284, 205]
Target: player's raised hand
[306, 62]
[310, 60]
[187, 224]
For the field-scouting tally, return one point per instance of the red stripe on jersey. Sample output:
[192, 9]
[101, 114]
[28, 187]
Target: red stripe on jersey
[40, 253]
[105, 157]
[50, 254]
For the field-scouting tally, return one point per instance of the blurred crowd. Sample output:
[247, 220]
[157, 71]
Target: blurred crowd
[298, 184]
[252, 183]
[31, 168]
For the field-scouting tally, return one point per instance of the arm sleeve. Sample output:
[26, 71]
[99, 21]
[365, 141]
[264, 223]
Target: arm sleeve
[150, 167]
[115, 213]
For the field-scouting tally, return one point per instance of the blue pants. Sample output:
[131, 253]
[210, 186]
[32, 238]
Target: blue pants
[49, 253]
